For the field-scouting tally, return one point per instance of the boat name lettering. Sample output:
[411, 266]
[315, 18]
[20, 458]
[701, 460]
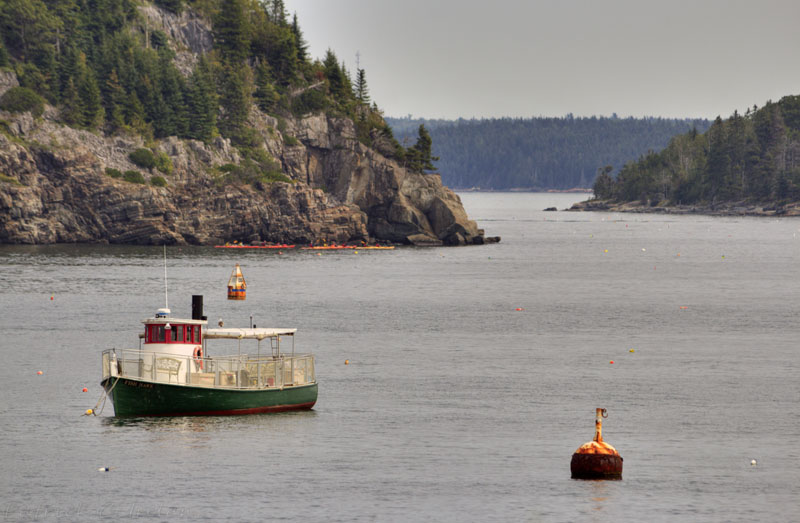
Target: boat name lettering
[138, 384]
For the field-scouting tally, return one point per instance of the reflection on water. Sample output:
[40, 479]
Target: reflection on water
[206, 423]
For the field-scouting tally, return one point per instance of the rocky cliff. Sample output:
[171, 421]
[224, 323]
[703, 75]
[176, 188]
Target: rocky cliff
[54, 187]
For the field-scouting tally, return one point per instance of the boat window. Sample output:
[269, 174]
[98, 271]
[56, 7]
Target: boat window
[196, 334]
[155, 334]
[177, 333]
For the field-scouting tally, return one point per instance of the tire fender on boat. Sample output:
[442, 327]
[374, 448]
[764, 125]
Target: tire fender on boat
[198, 357]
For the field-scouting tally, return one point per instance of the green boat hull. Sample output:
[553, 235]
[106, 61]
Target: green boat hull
[133, 397]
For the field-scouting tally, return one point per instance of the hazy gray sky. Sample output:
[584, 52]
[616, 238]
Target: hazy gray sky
[457, 58]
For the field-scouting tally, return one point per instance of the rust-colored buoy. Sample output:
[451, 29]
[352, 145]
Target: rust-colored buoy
[237, 287]
[597, 459]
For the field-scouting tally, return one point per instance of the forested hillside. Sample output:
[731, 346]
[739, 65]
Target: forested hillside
[753, 157]
[199, 122]
[538, 153]
[106, 68]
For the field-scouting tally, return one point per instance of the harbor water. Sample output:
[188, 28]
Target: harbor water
[474, 374]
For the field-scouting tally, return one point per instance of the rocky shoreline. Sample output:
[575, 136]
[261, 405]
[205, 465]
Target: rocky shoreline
[741, 208]
[54, 188]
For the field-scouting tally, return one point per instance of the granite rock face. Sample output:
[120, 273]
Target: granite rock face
[54, 187]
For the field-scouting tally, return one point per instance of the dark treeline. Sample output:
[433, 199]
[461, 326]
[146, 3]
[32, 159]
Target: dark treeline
[751, 157]
[104, 66]
[539, 153]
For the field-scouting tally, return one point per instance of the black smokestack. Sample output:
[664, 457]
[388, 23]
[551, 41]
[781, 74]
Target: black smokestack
[197, 307]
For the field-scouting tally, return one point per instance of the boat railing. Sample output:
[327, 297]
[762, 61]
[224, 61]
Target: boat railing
[240, 371]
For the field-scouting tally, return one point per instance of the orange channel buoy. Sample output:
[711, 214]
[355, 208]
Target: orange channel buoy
[596, 459]
[520, 309]
[85, 390]
[611, 362]
[52, 297]
[347, 362]
[39, 373]
[684, 307]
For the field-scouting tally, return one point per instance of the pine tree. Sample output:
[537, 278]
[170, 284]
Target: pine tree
[604, 184]
[115, 110]
[277, 12]
[27, 25]
[362, 93]
[299, 41]
[266, 96]
[237, 101]
[203, 104]
[3, 56]
[232, 31]
[337, 76]
[421, 158]
[72, 109]
[134, 111]
[91, 113]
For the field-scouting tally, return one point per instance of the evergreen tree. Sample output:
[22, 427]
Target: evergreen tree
[4, 62]
[134, 112]
[91, 113]
[419, 157]
[26, 26]
[266, 96]
[69, 67]
[232, 31]
[202, 101]
[236, 103]
[362, 93]
[115, 97]
[300, 44]
[48, 83]
[717, 159]
[72, 110]
[604, 183]
[337, 77]
[277, 12]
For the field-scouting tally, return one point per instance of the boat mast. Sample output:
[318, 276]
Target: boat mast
[166, 294]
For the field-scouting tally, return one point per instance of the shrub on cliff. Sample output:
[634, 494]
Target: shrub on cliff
[158, 181]
[143, 158]
[163, 163]
[114, 173]
[22, 99]
[133, 177]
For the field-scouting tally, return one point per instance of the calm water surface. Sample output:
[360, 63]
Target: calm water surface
[455, 406]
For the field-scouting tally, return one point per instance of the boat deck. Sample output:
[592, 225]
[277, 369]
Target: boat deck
[241, 371]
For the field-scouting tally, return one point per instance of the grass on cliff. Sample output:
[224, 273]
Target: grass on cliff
[4, 178]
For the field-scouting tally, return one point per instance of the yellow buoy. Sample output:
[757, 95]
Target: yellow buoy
[89, 412]
[237, 287]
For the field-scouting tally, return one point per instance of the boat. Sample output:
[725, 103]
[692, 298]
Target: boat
[237, 287]
[177, 372]
[283, 246]
[338, 247]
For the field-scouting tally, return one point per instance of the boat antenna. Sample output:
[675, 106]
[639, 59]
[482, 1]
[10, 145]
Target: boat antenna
[166, 294]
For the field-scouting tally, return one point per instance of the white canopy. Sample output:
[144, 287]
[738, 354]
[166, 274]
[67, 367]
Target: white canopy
[252, 334]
